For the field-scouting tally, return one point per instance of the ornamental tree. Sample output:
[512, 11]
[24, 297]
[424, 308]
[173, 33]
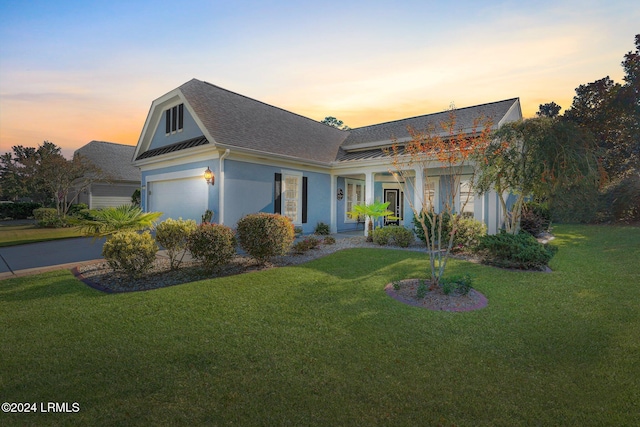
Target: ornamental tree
[440, 150]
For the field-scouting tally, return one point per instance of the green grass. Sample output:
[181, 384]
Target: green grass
[20, 234]
[322, 344]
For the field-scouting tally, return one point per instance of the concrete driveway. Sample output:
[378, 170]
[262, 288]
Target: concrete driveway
[40, 255]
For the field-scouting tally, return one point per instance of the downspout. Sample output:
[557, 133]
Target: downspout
[221, 186]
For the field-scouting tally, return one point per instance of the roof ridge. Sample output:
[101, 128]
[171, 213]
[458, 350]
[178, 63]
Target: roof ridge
[263, 103]
[433, 114]
[112, 143]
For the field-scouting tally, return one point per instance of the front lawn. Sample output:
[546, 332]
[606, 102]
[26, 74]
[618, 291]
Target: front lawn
[11, 235]
[322, 344]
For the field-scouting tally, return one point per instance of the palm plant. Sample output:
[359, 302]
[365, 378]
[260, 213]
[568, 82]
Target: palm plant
[105, 222]
[372, 211]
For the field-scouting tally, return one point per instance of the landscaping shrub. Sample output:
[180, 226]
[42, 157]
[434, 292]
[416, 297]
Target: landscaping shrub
[623, 199]
[393, 234]
[468, 235]
[212, 244]
[535, 219]
[520, 251]
[130, 252]
[77, 210]
[322, 229]
[48, 217]
[207, 216]
[20, 210]
[446, 226]
[173, 235]
[306, 244]
[264, 235]
[457, 285]
[329, 240]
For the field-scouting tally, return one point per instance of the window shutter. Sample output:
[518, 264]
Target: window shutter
[174, 118]
[277, 191]
[304, 199]
[180, 116]
[167, 117]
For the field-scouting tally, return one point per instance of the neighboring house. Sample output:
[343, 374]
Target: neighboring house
[266, 159]
[121, 178]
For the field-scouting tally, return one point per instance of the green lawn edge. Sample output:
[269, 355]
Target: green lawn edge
[322, 344]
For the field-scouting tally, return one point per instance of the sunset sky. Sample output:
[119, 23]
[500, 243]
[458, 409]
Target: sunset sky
[76, 71]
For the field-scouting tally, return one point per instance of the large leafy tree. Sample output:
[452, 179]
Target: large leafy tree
[611, 111]
[45, 175]
[534, 158]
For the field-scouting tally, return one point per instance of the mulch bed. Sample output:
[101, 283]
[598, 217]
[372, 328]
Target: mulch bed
[436, 299]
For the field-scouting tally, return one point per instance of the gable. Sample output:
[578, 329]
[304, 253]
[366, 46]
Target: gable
[189, 128]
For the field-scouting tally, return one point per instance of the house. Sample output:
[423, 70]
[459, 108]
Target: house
[120, 180]
[266, 159]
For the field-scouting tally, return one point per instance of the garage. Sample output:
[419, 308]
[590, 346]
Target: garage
[185, 198]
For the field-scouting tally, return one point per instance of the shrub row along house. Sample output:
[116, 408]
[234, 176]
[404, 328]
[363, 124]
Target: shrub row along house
[266, 159]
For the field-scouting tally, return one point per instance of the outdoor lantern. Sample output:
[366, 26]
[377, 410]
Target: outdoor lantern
[209, 176]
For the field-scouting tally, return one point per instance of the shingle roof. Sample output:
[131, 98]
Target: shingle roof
[236, 120]
[114, 159]
[383, 132]
[194, 142]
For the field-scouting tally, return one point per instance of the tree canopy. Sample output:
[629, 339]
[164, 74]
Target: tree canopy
[45, 176]
[534, 157]
[334, 122]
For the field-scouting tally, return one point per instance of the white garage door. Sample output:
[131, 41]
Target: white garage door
[185, 198]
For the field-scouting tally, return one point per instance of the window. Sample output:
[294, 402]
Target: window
[174, 119]
[430, 199]
[355, 196]
[466, 196]
[291, 196]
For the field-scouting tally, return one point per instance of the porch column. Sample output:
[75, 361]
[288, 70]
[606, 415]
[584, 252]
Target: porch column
[369, 194]
[418, 189]
[334, 205]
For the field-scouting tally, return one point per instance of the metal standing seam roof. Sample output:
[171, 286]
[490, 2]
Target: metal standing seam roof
[113, 159]
[194, 142]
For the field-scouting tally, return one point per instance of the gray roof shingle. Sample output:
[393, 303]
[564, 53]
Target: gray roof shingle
[382, 133]
[236, 120]
[114, 159]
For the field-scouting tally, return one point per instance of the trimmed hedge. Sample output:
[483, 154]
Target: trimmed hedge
[521, 251]
[264, 236]
[20, 210]
[468, 233]
[173, 235]
[130, 252]
[212, 244]
[393, 234]
[48, 218]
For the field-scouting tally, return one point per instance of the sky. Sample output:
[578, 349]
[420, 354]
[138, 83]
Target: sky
[76, 71]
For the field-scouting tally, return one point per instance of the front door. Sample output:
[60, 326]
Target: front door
[393, 197]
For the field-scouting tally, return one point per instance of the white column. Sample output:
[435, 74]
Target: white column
[221, 186]
[418, 189]
[334, 204]
[369, 194]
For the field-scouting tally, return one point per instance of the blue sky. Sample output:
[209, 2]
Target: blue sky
[75, 71]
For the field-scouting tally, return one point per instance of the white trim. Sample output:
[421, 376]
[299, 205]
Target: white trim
[354, 182]
[436, 192]
[299, 175]
[191, 173]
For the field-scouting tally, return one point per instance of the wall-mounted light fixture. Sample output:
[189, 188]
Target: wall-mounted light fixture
[209, 176]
